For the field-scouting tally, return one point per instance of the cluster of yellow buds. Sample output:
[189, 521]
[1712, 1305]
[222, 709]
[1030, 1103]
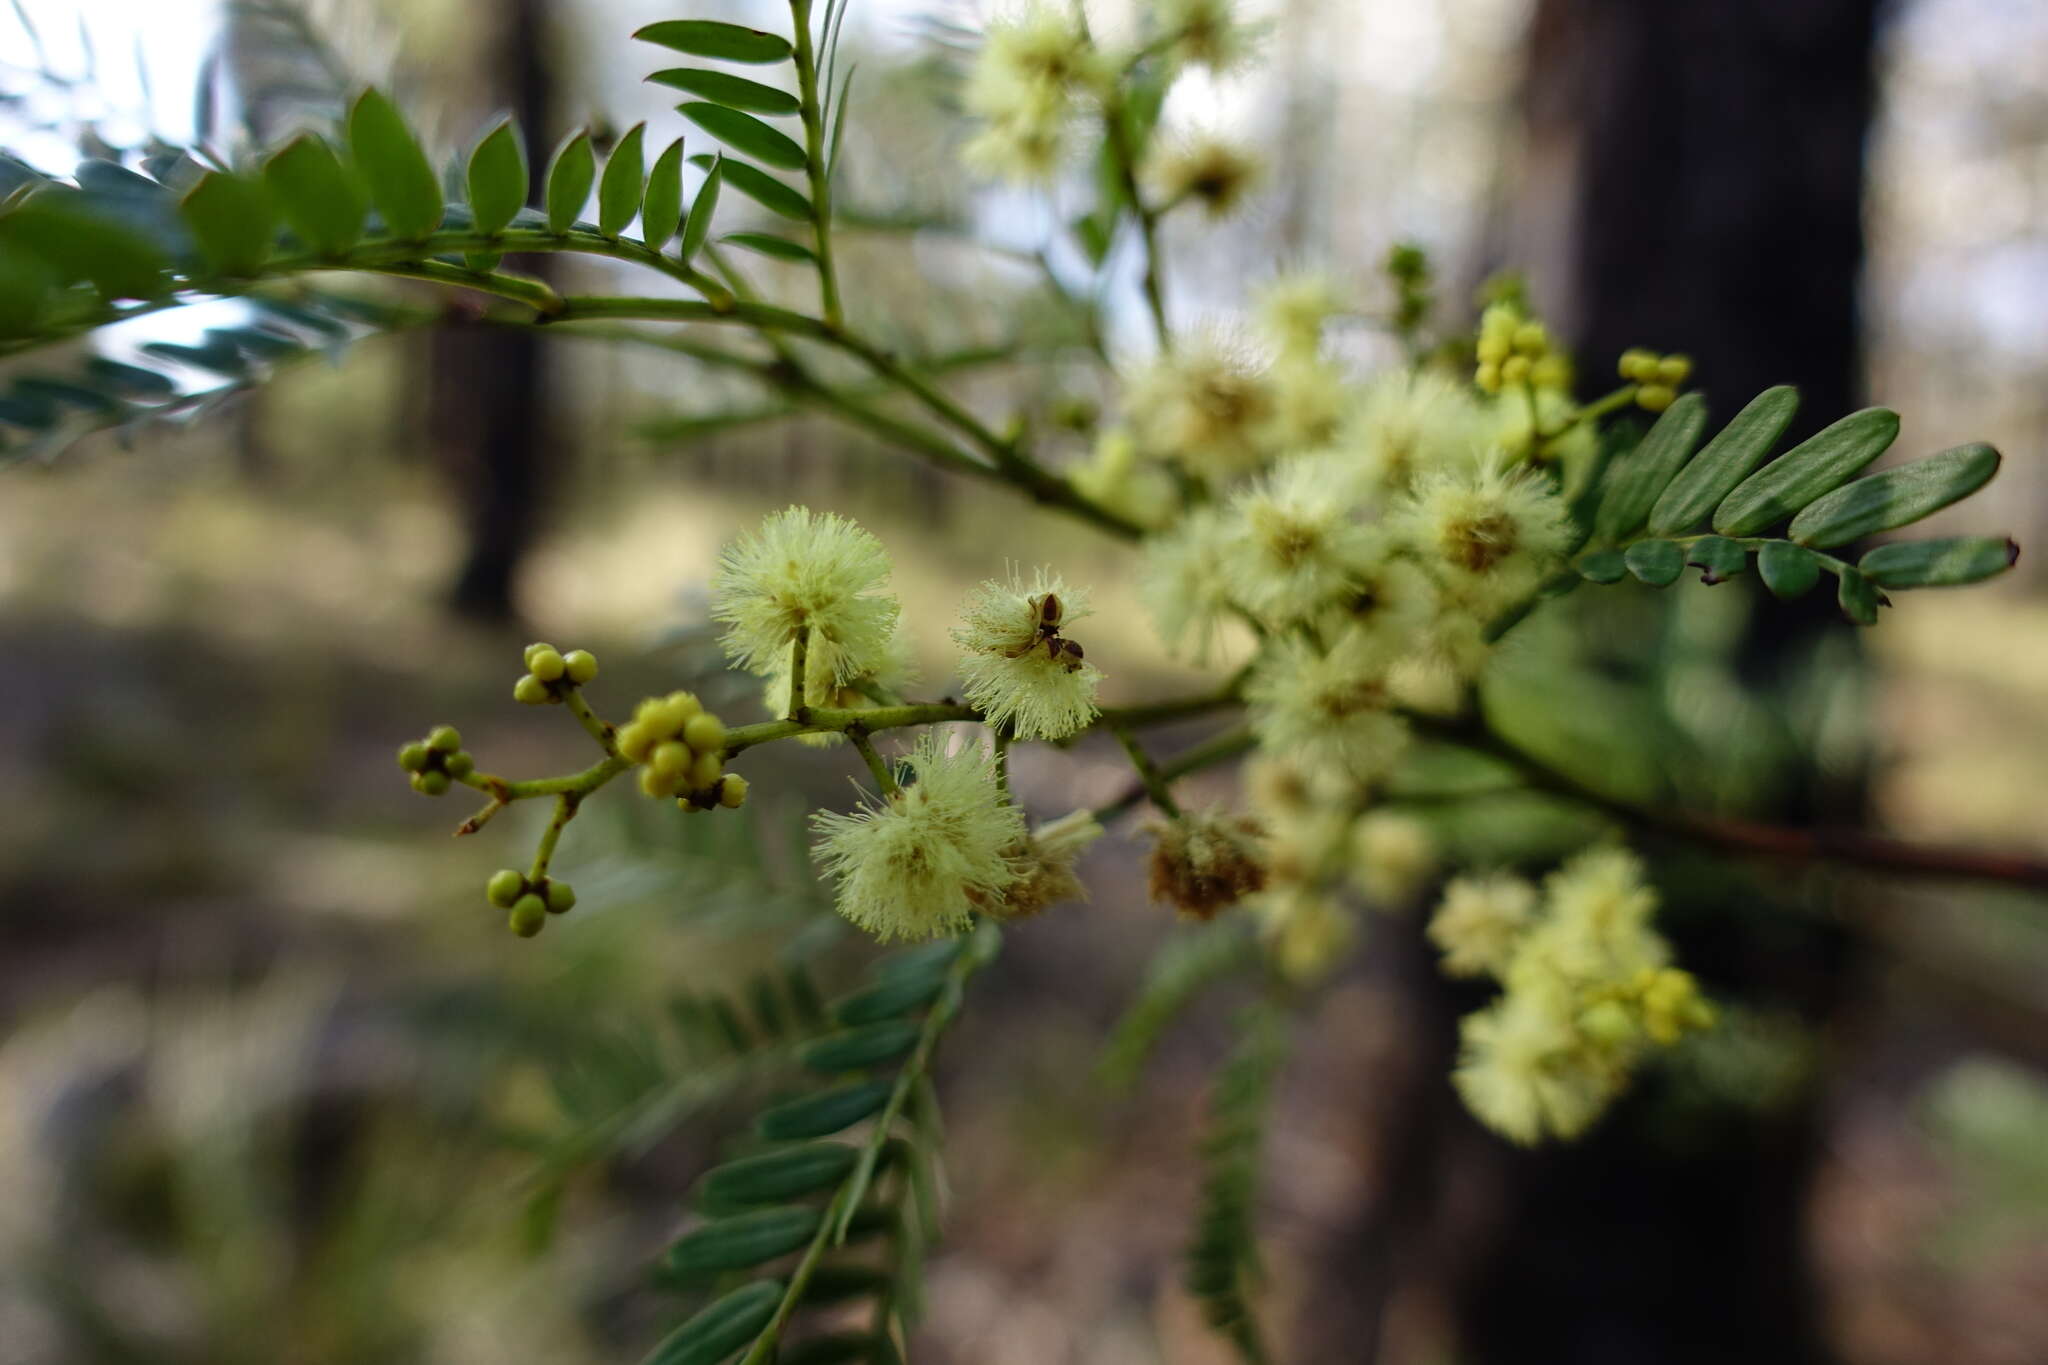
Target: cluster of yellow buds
[1658, 377]
[1515, 350]
[528, 900]
[1663, 1002]
[550, 673]
[436, 762]
[683, 749]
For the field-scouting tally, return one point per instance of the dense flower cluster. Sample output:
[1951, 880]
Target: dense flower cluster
[1587, 991]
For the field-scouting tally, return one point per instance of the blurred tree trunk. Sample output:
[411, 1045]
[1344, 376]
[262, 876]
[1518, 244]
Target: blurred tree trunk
[1693, 179]
[490, 392]
[1715, 156]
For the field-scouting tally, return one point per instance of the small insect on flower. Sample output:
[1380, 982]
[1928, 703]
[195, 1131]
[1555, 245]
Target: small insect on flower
[1017, 667]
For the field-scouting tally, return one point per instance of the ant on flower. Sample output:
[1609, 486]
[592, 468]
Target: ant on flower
[1046, 615]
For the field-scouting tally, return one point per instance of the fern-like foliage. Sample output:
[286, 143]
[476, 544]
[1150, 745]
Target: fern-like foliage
[1184, 967]
[1672, 502]
[1222, 1257]
[847, 1217]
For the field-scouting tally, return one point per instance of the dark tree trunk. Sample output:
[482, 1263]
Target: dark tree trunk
[1715, 200]
[490, 401]
[1693, 179]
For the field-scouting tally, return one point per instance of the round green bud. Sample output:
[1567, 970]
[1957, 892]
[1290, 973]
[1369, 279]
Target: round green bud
[545, 664]
[636, 741]
[1553, 371]
[532, 691]
[1655, 397]
[529, 914]
[688, 805]
[458, 765]
[1492, 350]
[676, 710]
[653, 783]
[1514, 370]
[705, 733]
[732, 791]
[1531, 339]
[431, 784]
[536, 647]
[582, 665]
[1634, 361]
[1607, 1022]
[1488, 377]
[414, 757]
[671, 758]
[444, 739]
[561, 897]
[704, 771]
[504, 888]
[1674, 369]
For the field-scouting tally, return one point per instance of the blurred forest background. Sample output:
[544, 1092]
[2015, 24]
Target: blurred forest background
[276, 1086]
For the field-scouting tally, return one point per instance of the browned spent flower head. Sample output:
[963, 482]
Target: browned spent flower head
[1202, 864]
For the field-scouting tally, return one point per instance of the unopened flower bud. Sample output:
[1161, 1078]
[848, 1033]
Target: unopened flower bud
[560, 897]
[582, 665]
[458, 765]
[1655, 397]
[732, 791]
[430, 783]
[445, 739]
[705, 733]
[414, 757]
[1674, 369]
[532, 691]
[504, 888]
[704, 771]
[670, 759]
[544, 663]
[529, 915]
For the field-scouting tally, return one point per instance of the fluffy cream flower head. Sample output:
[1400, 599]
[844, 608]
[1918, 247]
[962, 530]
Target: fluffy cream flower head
[918, 863]
[1207, 33]
[1022, 83]
[1329, 709]
[1409, 423]
[1209, 404]
[1294, 308]
[806, 570]
[1297, 550]
[1017, 665]
[1491, 536]
[1185, 581]
[1215, 172]
[1480, 921]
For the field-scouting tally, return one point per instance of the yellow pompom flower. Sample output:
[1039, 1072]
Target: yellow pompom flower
[1293, 310]
[1479, 922]
[1491, 536]
[1209, 405]
[1207, 33]
[805, 570]
[1329, 709]
[1185, 583]
[1297, 549]
[1017, 666]
[1392, 856]
[1407, 424]
[917, 863]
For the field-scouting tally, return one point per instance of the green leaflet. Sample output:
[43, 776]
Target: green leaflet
[734, 92]
[761, 187]
[661, 214]
[1603, 566]
[856, 1049]
[745, 133]
[742, 1241]
[1948, 562]
[1860, 598]
[781, 248]
[722, 1328]
[775, 1176]
[319, 199]
[401, 182]
[1897, 497]
[824, 1113]
[1656, 562]
[1635, 480]
[618, 193]
[72, 238]
[698, 225]
[1718, 560]
[232, 220]
[498, 180]
[1724, 461]
[888, 999]
[1786, 569]
[571, 173]
[708, 38]
[1820, 464]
